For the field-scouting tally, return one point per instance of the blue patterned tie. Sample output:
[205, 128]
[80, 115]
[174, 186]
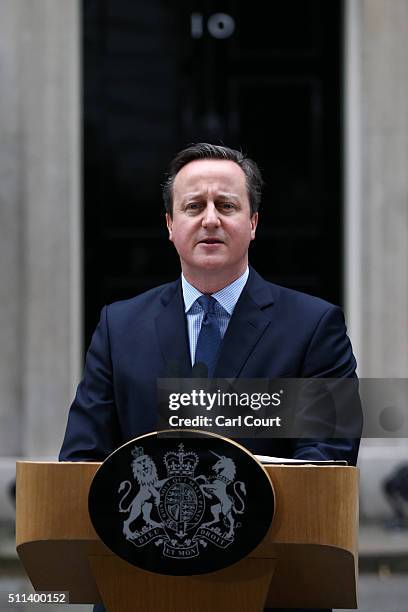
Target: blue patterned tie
[209, 339]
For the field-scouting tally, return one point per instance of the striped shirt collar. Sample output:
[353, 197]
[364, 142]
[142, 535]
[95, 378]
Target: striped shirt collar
[227, 297]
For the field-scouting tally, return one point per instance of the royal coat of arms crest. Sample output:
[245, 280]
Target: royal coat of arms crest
[173, 511]
[180, 504]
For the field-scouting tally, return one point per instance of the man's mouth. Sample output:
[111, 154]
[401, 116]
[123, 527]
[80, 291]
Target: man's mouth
[211, 241]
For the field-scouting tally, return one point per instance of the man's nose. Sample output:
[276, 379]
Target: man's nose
[211, 217]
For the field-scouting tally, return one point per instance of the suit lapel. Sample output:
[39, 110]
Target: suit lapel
[171, 329]
[247, 325]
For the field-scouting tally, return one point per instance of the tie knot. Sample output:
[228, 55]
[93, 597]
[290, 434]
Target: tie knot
[207, 303]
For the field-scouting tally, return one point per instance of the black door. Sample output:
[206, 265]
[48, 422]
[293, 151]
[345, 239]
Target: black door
[159, 75]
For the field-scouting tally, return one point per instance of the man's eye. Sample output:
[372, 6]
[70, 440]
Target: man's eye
[193, 206]
[227, 206]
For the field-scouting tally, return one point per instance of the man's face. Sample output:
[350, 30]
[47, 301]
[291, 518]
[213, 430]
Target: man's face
[211, 226]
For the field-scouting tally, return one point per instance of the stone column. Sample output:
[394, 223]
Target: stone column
[10, 235]
[376, 163]
[40, 257]
[376, 228]
[50, 108]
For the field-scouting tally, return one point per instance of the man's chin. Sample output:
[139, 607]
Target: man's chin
[211, 274]
[211, 262]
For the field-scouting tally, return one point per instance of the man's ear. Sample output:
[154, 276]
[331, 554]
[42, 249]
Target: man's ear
[254, 223]
[169, 223]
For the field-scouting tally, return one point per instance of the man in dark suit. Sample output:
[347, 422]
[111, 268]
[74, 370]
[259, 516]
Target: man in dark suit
[257, 329]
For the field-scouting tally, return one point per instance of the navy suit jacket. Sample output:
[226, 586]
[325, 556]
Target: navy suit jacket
[274, 332]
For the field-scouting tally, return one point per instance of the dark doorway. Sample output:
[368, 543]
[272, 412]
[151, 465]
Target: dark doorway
[159, 75]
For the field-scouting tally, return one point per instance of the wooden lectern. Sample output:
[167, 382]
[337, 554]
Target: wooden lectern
[307, 559]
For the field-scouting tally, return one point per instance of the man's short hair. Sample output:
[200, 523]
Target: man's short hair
[204, 150]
